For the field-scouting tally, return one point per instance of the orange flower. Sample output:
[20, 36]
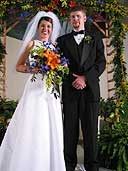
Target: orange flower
[46, 53]
[72, 4]
[54, 63]
[52, 59]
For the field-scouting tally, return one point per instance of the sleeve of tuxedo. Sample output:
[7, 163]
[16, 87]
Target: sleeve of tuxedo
[60, 43]
[100, 62]
[97, 68]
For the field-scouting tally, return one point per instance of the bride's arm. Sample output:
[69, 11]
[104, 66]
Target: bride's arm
[21, 64]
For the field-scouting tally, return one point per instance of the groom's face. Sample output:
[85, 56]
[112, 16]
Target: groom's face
[77, 19]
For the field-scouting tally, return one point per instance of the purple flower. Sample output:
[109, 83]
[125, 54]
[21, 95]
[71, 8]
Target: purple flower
[47, 44]
[64, 60]
[45, 68]
[36, 56]
[55, 50]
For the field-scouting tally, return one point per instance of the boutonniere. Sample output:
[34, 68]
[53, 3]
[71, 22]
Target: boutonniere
[87, 39]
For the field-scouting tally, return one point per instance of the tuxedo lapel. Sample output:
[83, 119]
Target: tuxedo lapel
[87, 46]
[73, 48]
[72, 45]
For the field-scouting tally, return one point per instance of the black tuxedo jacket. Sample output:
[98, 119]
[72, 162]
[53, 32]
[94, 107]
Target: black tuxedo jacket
[91, 64]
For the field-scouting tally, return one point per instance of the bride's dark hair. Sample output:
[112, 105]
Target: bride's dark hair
[46, 19]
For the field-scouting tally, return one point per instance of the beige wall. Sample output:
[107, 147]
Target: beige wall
[103, 81]
[15, 81]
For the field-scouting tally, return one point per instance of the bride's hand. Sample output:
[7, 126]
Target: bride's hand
[27, 69]
[34, 70]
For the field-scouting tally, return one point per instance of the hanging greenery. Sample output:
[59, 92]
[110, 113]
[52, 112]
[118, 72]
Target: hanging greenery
[116, 13]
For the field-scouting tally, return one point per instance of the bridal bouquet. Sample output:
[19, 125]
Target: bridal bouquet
[50, 63]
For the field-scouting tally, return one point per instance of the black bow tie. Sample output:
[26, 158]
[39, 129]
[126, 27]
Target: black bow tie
[78, 32]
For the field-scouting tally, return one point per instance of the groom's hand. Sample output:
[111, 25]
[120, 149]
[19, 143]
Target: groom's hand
[80, 82]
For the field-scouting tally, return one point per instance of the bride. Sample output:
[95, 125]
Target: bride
[34, 138]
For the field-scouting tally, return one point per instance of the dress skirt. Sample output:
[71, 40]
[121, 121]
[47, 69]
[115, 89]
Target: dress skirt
[34, 138]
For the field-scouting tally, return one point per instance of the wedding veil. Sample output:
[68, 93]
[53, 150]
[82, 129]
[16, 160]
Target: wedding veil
[31, 31]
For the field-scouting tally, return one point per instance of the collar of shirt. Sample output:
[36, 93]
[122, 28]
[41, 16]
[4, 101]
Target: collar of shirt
[78, 38]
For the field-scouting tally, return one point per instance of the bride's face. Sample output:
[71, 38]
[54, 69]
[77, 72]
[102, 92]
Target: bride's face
[44, 30]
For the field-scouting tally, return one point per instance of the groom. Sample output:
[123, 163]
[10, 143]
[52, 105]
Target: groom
[81, 92]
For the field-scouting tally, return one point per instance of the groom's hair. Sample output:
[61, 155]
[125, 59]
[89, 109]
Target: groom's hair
[78, 8]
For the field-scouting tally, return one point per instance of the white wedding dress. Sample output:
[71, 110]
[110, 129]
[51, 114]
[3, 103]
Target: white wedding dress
[34, 138]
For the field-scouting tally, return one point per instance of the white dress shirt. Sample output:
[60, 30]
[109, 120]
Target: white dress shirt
[78, 38]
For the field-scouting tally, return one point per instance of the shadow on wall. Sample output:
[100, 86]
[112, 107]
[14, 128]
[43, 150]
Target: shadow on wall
[19, 30]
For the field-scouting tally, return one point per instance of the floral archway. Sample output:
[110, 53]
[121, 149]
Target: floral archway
[112, 13]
